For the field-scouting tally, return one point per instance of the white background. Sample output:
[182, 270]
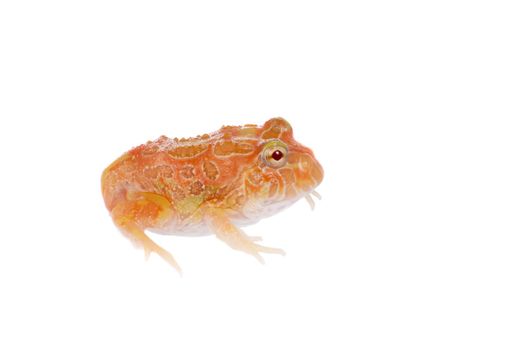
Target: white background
[414, 108]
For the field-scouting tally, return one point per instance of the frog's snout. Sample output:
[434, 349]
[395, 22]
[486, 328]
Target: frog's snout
[308, 171]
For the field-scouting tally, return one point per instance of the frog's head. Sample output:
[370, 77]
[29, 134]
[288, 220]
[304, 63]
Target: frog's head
[286, 170]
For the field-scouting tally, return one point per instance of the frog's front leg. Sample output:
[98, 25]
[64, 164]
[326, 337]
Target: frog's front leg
[219, 223]
[140, 210]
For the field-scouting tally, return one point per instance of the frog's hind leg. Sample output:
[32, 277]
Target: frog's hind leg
[138, 211]
[226, 231]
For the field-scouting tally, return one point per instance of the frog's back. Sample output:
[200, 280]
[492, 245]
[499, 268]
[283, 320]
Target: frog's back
[187, 171]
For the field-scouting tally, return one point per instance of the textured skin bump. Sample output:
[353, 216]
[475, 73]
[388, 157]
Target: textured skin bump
[210, 169]
[187, 172]
[189, 151]
[228, 148]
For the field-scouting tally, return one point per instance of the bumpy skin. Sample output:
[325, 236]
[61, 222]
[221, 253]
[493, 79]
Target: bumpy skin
[212, 183]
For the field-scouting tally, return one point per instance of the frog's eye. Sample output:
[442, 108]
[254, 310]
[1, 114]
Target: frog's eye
[275, 154]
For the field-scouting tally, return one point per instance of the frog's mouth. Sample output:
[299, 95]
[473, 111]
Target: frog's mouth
[310, 200]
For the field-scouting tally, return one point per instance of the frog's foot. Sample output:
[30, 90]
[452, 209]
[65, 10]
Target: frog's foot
[226, 231]
[138, 211]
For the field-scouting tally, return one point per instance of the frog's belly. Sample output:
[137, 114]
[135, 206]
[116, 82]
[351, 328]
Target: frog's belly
[195, 230]
[251, 214]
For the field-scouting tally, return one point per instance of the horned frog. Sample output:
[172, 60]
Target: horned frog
[210, 184]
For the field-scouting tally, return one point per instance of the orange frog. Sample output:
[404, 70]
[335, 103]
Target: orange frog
[212, 183]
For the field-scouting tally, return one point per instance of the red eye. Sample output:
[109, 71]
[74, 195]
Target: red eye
[277, 155]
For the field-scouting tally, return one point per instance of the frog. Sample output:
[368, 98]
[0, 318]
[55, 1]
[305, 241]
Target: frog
[212, 184]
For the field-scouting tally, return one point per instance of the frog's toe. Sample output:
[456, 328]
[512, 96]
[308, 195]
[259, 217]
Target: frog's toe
[269, 250]
[226, 231]
[163, 253]
[255, 250]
